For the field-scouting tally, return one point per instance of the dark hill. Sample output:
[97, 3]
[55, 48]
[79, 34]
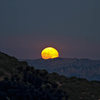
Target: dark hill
[23, 82]
[8, 65]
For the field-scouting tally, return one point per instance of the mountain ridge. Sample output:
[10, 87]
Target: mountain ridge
[83, 67]
[27, 83]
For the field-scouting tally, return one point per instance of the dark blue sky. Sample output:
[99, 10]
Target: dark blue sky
[71, 26]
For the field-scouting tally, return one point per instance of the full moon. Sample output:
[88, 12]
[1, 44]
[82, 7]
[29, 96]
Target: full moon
[49, 53]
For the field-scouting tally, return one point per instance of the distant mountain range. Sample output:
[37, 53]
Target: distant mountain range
[82, 68]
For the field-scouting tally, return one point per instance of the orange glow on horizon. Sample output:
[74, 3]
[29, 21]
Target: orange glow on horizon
[49, 53]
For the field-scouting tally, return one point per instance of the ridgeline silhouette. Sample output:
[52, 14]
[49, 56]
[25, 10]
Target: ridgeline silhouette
[19, 81]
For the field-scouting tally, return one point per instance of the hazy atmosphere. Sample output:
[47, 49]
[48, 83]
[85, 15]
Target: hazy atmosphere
[71, 26]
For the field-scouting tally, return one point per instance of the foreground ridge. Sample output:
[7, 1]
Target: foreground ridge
[19, 81]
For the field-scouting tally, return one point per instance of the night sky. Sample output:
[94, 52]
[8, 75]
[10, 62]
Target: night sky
[71, 26]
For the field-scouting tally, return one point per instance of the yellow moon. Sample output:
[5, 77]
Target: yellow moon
[49, 53]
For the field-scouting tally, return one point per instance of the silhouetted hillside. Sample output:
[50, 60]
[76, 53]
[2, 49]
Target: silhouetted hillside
[9, 64]
[23, 82]
[82, 68]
